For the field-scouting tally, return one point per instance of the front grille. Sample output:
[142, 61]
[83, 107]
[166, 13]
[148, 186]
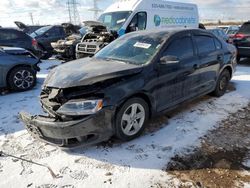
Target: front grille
[87, 48]
[91, 50]
[91, 46]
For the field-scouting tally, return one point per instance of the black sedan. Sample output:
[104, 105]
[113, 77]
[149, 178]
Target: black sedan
[134, 78]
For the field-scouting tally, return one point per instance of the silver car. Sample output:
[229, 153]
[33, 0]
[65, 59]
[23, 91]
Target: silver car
[18, 68]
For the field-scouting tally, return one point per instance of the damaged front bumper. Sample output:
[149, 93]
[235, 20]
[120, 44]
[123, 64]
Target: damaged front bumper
[81, 132]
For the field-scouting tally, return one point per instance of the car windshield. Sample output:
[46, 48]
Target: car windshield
[114, 20]
[40, 31]
[134, 48]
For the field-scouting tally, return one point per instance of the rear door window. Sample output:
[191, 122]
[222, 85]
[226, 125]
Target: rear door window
[181, 48]
[245, 28]
[205, 44]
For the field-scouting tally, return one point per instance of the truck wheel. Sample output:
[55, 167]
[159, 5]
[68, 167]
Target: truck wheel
[222, 84]
[131, 119]
[22, 79]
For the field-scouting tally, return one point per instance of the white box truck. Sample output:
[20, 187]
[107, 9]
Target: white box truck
[126, 16]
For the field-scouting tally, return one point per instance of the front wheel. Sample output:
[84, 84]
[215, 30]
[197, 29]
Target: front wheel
[222, 84]
[22, 79]
[131, 119]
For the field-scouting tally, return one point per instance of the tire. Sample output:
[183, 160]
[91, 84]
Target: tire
[222, 84]
[128, 126]
[21, 79]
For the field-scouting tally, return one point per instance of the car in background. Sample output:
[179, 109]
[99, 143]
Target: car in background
[66, 48]
[232, 30]
[48, 34]
[229, 30]
[15, 38]
[219, 33]
[18, 68]
[137, 76]
[242, 41]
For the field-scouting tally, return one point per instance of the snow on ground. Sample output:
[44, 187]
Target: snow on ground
[137, 163]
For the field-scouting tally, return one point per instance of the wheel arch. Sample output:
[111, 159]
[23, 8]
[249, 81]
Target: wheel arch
[229, 68]
[147, 98]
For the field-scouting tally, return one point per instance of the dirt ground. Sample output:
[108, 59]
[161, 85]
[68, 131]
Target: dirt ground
[222, 160]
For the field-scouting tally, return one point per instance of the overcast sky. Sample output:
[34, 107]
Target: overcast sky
[55, 11]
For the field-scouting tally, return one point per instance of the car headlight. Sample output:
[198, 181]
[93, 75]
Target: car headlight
[81, 107]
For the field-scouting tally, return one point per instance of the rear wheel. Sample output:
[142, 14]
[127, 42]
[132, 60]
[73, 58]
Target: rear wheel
[222, 84]
[22, 78]
[131, 119]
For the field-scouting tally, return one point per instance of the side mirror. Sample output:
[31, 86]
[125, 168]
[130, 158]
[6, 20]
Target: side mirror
[169, 60]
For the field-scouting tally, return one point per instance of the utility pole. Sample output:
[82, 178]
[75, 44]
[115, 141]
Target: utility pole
[74, 16]
[95, 9]
[68, 6]
[31, 17]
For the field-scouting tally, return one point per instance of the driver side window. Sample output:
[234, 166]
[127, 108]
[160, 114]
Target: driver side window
[138, 22]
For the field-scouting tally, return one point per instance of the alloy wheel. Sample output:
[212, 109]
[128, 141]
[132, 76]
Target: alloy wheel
[133, 119]
[23, 79]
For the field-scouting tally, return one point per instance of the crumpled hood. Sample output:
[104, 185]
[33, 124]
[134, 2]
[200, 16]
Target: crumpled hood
[88, 71]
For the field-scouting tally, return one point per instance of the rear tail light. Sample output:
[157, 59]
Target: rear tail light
[239, 36]
[34, 43]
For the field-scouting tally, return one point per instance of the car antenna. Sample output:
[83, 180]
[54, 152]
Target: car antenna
[3, 154]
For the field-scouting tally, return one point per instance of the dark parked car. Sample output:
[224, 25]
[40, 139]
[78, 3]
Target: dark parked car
[15, 38]
[45, 36]
[48, 34]
[18, 68]
[66, 49]
[242, 41]
[132, 79]
[219, 33]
